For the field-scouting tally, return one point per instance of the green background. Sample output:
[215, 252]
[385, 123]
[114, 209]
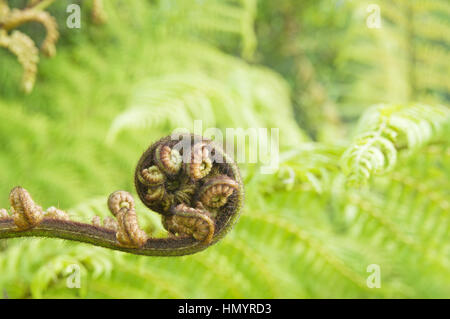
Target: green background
[311, 68]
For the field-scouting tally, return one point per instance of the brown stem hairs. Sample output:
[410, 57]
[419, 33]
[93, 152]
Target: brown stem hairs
[189, 180]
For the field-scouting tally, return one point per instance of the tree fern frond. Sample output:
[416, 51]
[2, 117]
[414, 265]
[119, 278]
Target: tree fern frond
[380, 229]
[86, 210]
[217, 17]
[50, 271]
[384, 130]
[151, 278]
[423, 209]
[234, 95]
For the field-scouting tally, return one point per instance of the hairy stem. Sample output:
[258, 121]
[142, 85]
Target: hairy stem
[100, 236]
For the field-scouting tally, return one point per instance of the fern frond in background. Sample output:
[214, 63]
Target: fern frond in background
[23, 46]
[222, 91]
[384, 130]
[27, 55]
[403, 60]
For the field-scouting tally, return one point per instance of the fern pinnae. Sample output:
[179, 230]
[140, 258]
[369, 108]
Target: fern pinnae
[310, 165]
[386, 130]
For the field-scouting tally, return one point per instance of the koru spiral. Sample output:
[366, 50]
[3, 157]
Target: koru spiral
[189, 180]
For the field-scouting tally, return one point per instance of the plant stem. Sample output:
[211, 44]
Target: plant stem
[100, 236]
[43, 4]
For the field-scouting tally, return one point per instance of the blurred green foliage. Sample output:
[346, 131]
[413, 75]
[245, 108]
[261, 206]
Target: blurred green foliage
[309, 67]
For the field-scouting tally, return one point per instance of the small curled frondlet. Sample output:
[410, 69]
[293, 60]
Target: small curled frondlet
[197, 208]
[168, 159]
[26, 213]
[121, 204]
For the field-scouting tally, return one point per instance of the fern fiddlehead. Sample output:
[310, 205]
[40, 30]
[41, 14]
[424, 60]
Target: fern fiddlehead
[197, 209]
[18, 17]
[27, 54]
[387, 129]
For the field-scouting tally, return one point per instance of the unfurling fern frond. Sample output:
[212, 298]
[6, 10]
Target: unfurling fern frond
[387, 129]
